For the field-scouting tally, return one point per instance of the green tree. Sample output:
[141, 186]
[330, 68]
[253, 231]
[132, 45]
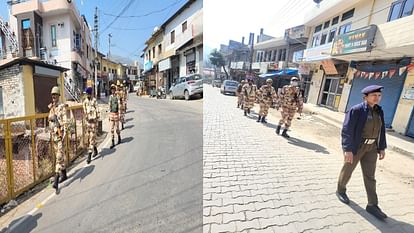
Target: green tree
[217, 59]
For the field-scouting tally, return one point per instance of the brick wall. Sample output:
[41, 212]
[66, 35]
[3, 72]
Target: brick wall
[13, 91]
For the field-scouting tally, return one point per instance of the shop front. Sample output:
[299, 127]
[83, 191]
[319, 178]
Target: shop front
[333, 83]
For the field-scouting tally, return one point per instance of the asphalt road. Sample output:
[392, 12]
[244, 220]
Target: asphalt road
[152, 182]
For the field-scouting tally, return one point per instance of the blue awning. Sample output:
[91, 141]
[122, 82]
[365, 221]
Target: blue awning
[279, 73]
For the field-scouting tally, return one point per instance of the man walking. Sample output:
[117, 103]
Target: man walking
[122, 105]
[114, 105]
[290, 99]
[57, 122]
[91, 116]
[363, 140]
[240, 94]
[249, 95]
[267, 96]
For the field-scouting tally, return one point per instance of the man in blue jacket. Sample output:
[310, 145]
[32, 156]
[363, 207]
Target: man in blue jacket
[363, 139]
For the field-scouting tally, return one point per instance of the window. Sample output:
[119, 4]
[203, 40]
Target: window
[172, 37]
[159, 49]
[326, 24]
[26, 24]
[347, 15]
[316, 40]
[1, 102]
[153, 52]
[149, 55]
[184, 26]
[401, 9]
[104, 68]
[332, 34]
[53, 35]
[87, 51]
[344, 28]
[323, 38]
[318, 28]
[335, 20]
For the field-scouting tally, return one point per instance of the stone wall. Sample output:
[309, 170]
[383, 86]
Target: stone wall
[13, 92]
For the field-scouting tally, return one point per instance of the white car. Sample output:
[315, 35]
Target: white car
[229, 86]
[187, 87]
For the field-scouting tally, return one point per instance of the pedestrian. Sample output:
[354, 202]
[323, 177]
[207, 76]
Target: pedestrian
[266, 96]
[58, 123]
[114, 105]
[290, 100]
[240, 94]
[91, 116]
[122, 106]
[249, 95]
[363, 140]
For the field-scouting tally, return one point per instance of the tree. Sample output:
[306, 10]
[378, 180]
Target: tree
[217, 59]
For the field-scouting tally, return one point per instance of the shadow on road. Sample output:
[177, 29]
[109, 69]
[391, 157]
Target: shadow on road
[389, 225]
[130, 111]
[308, 145]
[104, 152]
[84, 173]
[129, 119]
[129, 126]
[29, 223]
[128, 139]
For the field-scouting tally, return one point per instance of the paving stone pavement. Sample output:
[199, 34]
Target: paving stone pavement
[256, 181]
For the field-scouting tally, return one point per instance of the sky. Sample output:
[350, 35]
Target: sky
[232, 19]
[128, 34]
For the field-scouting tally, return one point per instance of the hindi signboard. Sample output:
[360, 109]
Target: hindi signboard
[356, 41]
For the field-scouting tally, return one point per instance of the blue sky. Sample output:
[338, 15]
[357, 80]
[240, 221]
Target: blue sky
[126, 42]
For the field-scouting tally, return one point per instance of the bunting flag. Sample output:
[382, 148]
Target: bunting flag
[384, 74]
[402, 70]
[371, 75]
[391, 73]
[357, 74]
[377, 75]
[410, 67]
[362, 74]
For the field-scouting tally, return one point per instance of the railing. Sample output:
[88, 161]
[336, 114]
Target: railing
[75, 94]
[26, 151]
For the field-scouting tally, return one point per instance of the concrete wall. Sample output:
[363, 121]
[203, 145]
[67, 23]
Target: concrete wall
[315, 87]
[13, 91]
[405, 107]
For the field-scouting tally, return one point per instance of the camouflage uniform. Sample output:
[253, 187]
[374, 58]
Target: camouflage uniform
[58, 124]
[249, 97]
[267, 96]
[239, 94]
[114, 106]
[290, 100]
[91, 116]
[122, 106]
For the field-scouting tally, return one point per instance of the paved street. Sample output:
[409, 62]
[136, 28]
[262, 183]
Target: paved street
[152, 182]
[256, 181]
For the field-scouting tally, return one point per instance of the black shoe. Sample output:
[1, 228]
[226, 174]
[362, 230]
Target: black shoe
[238, 105]
[342, 197]
[259, 119]
[56, 183]
[64, 176]
[95, 151]
[284, 134]
[88, 161]
[248, 111]
[245, 112]
[122, 126]
[278, 129]
[376, 211]
[113, 144]
[119, 139]
[264, 120]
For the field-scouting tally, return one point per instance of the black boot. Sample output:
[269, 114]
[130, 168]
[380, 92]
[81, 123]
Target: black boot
[119, 139]
[122, 125]
[245, 112]
[248, 110]
[64, 176]
[284, 134]
[113, 144]
[238, 105]
[95, 151]
[278, 129]
[56, 183]
[242, 106]
[88, 161]
[259, 119]
[264, 120]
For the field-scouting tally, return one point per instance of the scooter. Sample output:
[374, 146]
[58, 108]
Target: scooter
[161, 94]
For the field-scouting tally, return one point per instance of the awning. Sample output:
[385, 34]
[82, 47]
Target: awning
[279, 73]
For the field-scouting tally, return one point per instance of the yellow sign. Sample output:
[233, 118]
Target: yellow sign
[89, 83]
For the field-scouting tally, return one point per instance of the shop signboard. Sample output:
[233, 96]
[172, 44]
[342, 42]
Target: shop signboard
[356, 41]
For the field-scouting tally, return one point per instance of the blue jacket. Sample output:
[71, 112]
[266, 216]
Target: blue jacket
[353, 126]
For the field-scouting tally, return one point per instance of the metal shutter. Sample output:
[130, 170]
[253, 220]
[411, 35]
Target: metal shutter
[410, 130]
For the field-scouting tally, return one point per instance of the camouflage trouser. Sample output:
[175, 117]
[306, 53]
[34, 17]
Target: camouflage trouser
[288, 112]
[60, 154]
[249, 102]
[264, 108]
[122, 113]
[239, 99]
[114, 119]
[91, 129]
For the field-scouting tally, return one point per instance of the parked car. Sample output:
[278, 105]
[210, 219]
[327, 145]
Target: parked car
[216, 83]
[229, 86]
[187, 87]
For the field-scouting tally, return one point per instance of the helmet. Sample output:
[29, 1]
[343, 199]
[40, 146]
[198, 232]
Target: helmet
[55, 90]
[121, 85]
[88, 90]
[294, 79]
[269, 80]
[113, 86]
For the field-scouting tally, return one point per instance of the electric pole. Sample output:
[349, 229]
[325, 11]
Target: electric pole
[96, 23]
[109, 44]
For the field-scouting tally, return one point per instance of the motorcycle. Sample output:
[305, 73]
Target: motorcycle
[161, 94]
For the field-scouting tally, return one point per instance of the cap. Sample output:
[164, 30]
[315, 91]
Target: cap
[372, 89]
[249, 78]
[88, 90]
[269, 80]
[55, 90]
[294, 79]
[113, 86]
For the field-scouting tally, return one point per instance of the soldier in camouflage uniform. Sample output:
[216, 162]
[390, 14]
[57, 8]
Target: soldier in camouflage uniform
[91, 116]
[240, 94]
[290, 99]
[122, 106]
[114, 105]
[249, 95]
[58, 124]
[267, 96]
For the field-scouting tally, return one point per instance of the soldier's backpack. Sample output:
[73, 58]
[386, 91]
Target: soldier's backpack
[114, 104]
